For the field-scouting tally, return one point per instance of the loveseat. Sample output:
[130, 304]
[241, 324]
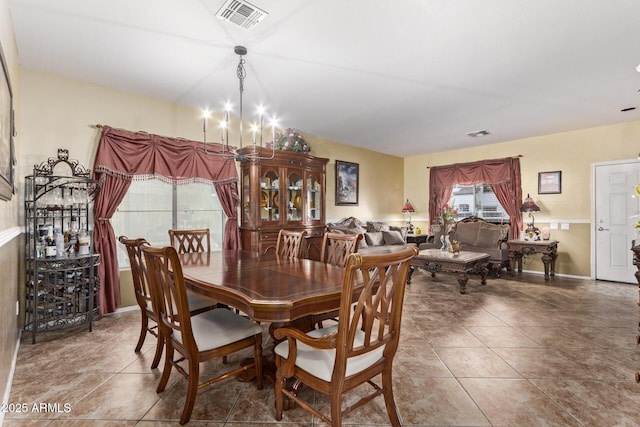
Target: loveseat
[477, 235]
[379, 237]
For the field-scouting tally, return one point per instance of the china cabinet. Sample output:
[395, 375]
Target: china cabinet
[61, 284]
[287, 191]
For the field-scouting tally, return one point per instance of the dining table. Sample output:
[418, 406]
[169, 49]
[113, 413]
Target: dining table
[266, 288]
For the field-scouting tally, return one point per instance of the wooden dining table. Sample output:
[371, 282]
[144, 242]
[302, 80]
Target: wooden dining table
[265, 287]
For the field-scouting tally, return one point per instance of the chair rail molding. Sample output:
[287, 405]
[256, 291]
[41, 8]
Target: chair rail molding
[9, 234]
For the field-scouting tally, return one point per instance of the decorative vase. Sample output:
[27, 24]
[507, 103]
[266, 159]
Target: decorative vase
[445, 243]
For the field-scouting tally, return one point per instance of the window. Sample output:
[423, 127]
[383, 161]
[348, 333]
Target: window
[478, 200]
[152, 207]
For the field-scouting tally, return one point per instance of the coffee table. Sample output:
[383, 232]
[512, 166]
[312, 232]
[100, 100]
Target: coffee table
[436, 261]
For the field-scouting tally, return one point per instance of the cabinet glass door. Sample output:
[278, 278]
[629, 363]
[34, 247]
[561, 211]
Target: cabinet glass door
[269, 196]
[246, 197]
[294, 197]
[314, 199]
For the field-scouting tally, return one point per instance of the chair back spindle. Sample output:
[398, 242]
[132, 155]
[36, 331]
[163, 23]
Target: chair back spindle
[289, 243]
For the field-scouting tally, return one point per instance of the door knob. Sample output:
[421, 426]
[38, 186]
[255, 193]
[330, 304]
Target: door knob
[602, 229]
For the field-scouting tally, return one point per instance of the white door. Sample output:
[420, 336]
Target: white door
[617, 208]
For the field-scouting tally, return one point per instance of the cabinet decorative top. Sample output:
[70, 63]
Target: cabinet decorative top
[46, 168]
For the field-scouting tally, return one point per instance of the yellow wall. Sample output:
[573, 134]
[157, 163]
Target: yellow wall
[573, 153]
[61, 113]
[10, 239]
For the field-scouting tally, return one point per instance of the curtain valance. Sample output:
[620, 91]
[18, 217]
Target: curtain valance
[484, 171]
[503, 175]
[142, 155]
[123, 156]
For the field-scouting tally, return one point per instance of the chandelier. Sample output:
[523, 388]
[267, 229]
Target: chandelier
[257, 146]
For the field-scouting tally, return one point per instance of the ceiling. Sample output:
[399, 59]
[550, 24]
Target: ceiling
[400, 77]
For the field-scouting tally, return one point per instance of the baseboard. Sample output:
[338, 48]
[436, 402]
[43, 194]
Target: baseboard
[7, 389]
[568, 276]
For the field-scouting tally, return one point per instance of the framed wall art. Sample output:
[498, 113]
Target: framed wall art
[7, 155]
[550, 182]
[347, 183]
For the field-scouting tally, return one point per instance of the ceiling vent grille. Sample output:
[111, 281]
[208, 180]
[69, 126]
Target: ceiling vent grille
[241, 13]
[478, 133]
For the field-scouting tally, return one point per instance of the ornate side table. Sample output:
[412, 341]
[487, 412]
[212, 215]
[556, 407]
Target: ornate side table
[548, 248]
[636, 261]
[417, 238]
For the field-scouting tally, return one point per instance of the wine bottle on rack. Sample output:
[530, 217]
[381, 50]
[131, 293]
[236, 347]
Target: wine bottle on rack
[59, 242]
[50, 249]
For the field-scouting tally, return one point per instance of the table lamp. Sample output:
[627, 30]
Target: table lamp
[529, 206]
[408, 209]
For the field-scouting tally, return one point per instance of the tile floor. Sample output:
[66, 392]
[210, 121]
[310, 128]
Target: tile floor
[517, 352]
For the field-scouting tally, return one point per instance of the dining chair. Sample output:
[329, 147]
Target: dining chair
[197, 338]
[289, 243]
[359, 348]
[336, 247]
[188, 241]
[193, 241]
[143, 297]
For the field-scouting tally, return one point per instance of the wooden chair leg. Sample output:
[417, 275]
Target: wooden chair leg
[144, 325]
[336, 409]
[158, 354]
[389, 401]
[279, 385]
[257, 355]
[192, 391]
[168, 357]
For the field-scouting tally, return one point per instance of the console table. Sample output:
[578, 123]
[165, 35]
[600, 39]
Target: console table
[636, 261]
[548, 248]
[417, 238]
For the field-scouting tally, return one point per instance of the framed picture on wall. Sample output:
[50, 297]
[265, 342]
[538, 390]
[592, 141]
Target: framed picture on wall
[7, 155]
[347, 183]
[550, 182]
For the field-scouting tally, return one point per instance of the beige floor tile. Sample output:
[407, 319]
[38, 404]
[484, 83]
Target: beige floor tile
[519, 352]
[476, 363]
[515, 402]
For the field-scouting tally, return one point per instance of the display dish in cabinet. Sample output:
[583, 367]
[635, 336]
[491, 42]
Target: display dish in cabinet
[285, 192]
[61, 281]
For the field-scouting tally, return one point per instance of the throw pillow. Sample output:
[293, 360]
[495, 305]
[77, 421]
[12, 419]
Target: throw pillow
[393, 238]
[374, 238]
[403, 230]
[373, 226]
[487, 236]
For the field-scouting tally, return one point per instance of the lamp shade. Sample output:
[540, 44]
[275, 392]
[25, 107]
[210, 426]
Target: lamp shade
[408, 207]
[529, 205]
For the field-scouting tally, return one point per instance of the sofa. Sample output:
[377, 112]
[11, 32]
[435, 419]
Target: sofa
[379, 237]
[477, 235]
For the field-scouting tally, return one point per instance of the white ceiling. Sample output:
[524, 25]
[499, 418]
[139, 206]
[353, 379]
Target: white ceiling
[400, 77]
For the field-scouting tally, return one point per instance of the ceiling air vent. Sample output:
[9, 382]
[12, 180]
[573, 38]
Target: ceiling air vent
[241, 13]
[478, 133]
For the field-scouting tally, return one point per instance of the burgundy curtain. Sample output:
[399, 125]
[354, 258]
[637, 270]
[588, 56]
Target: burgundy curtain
[502, 174]
[228, 196]
[123, 155]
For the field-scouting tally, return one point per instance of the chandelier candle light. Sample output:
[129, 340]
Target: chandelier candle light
[229, 151]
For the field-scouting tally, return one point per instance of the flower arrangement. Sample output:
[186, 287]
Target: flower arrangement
[447, 217]
[291, 140]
